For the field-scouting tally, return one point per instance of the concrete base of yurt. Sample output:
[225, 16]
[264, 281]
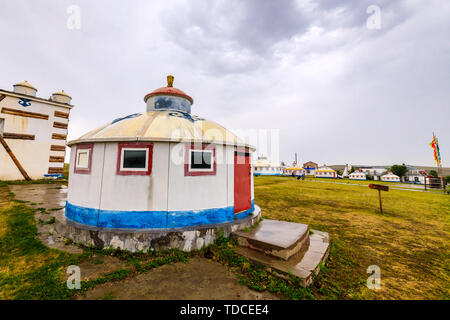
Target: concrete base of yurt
[186, 238]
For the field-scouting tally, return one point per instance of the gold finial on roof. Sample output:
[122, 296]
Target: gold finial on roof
[170, 80]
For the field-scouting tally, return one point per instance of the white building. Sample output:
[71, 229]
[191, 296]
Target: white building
[163, 168]
[390, 177]
[263, 167]
[325, 172]
[33, 133]
[357, 175]
[414, 175]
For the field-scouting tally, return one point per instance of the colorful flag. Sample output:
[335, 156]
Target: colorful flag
[437, 155]
[438, 152]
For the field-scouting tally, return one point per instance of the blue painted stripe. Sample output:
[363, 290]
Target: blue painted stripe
[152, 219]
[244, 214]
[267, 174]
[54, 175]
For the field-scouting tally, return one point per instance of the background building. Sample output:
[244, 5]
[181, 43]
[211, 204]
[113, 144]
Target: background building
[33, 133]
[310, 168]
[264, 167]
[390, 177]
[325, 172]
[357, 175]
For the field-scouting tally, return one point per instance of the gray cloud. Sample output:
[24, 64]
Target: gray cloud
[336, 91]
[236, 36]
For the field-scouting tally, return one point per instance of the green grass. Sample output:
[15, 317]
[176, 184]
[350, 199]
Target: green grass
[31, 270]
[409, 241]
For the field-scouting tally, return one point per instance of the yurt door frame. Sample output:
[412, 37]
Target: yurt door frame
[242, 181]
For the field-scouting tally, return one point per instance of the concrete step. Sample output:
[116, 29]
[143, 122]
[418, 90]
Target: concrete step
[279, 239]
[302, 265]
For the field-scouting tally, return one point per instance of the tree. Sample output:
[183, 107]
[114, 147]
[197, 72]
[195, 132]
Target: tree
[447, 179]
[353, 169]
[399, 170]
[433, 173]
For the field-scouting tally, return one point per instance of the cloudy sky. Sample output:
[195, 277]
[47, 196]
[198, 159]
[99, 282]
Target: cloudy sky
[335, 90]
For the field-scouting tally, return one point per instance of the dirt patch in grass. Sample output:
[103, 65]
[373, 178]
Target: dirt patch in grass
[196, 279]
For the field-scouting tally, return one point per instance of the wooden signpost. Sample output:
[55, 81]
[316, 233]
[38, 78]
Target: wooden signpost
[380, 188]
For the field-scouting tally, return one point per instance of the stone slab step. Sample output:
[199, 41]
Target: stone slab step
[303, 266]
[279, 239]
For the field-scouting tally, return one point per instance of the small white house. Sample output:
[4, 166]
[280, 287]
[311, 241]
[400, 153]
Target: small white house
[390, 177]
[325, 172]
[263, 167]
[357, 175]
[159, 169]
[33, 133]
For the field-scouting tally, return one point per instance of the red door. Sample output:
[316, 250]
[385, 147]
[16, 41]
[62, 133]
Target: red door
[242, 182]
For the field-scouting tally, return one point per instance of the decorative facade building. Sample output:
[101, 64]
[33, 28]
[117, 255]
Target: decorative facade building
[33, 133]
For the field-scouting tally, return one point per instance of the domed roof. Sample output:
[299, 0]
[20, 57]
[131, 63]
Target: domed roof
[25, 84]
[169, 90]
[62, 93]
[162, 125]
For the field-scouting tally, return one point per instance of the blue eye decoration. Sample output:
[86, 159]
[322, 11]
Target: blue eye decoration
[24, 102]
[185, 115]
[134, 115]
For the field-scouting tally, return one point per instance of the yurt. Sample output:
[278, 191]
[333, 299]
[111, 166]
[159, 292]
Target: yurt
[390, 177]
[325, 172]
[161, 178]
[357, 175]
[294, 171]
[264, 167]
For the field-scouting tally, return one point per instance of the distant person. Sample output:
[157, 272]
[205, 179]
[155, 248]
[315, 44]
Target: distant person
[303, 176]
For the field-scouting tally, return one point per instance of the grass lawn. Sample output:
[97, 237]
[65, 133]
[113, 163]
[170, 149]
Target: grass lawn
[409, 241]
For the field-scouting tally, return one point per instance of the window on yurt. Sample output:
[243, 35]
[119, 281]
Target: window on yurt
[135, 158]
[200, 160]
[83, 158]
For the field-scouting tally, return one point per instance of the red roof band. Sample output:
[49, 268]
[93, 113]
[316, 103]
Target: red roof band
[170, 91]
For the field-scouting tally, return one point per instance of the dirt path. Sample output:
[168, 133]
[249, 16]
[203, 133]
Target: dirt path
[197, 279]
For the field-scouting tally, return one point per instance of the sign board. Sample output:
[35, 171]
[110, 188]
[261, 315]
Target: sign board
[379, 187]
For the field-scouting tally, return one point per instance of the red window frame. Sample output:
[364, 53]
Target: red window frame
[187, 155]
[87, 170]
[135, 145]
